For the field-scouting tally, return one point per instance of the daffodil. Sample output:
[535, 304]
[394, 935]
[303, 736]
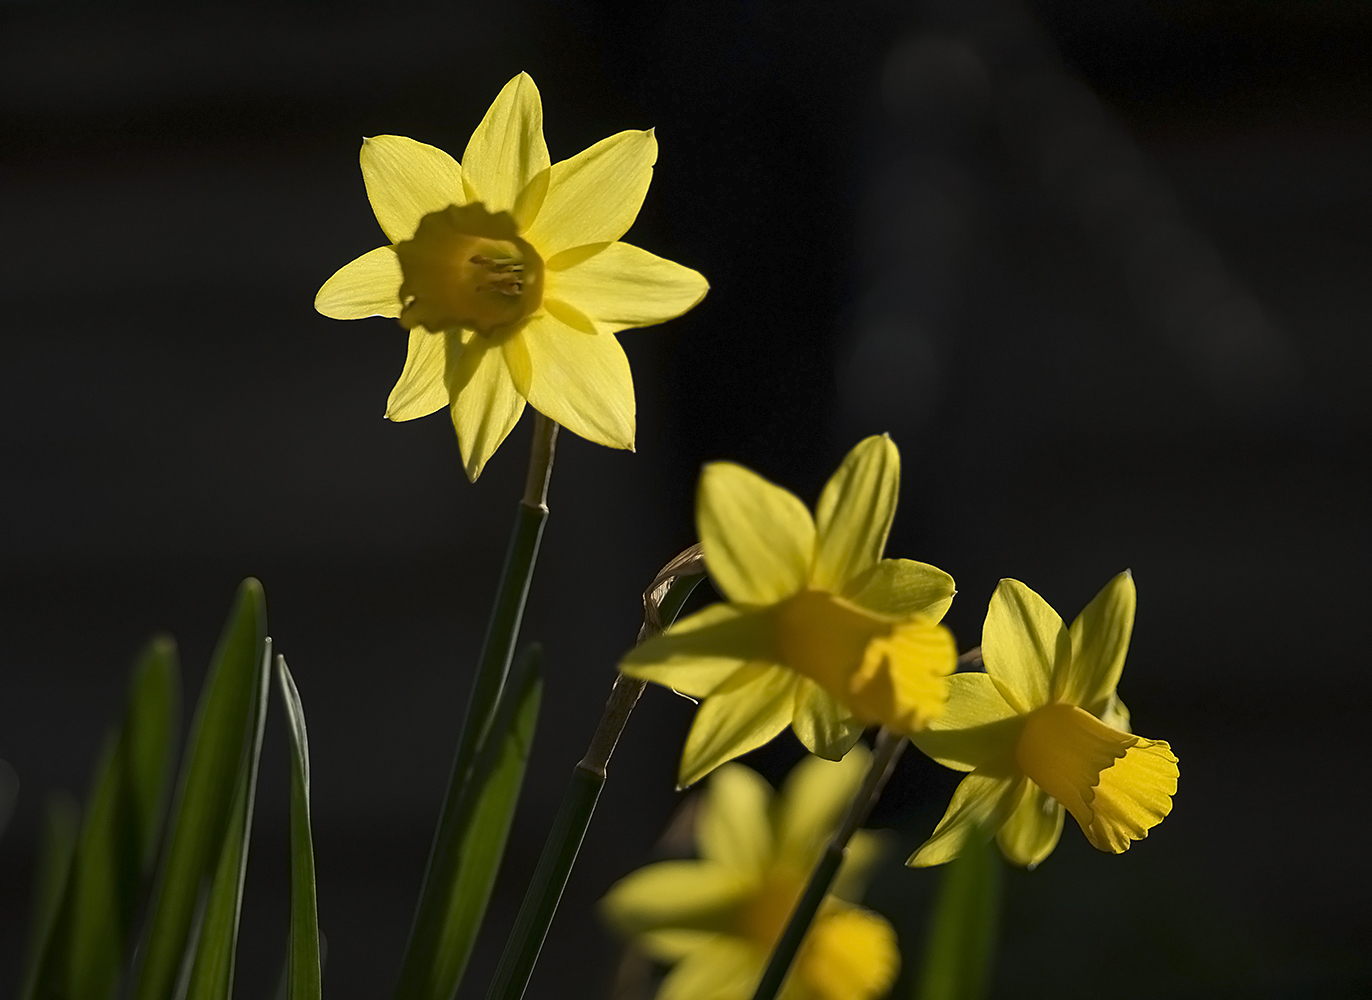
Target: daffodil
[508, 272]
[819, 633]
[716, 919]
[1043, 732]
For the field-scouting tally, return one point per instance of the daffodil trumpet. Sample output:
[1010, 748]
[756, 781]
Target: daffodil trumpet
[662, 602]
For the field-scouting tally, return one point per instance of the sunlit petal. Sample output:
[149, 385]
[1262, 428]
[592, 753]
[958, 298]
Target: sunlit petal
[1034, 826]
[507, 149]
[732, 826]
[595, 196]
[758, 538]
[1022, 643]
[621, 286]
[1100, 640]
[695, 894]
[406, 180]
[812, 801]
[855, 512]
[981, 804]
[1134, 795]
[826, 727]
[700, 652]
[423, 385]
[977, 727]
[581, 380]
[485, 404]
[727, 968]
[744, 712]
[899, 588]
[368, 286]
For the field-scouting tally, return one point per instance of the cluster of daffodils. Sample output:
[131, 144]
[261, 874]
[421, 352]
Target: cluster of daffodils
[509, 274]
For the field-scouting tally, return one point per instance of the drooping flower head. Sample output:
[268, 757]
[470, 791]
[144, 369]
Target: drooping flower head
[717, 918]
[819, 632]
[508, 273]
[1043, 732]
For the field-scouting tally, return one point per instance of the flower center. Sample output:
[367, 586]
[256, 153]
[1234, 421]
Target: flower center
[765, 915]
[468, 267]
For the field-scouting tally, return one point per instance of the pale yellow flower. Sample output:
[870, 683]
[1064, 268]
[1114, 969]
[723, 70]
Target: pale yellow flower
[508, 272]
[716, 919]
[820, 632]
[1043, 732]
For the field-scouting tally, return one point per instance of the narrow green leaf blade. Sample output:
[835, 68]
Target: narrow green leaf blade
[443, 948]
[960, 949]
[63, 820]
[217, 945]
[118, 841]
[303, 970]
[220, 734]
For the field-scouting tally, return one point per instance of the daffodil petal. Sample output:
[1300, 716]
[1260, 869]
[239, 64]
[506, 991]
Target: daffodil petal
[701, 652]
[733, 827]
[485, 404]
[866, 848]
[507, 149]
[901, 588]
[672, 944]
[581, 380]
[976, 728]
[423, 385]
[980, 806]
[1034, 826]
[595, 196]
[811, 802]
[850, 954]
[620, 286]
[692, 894]
[726, 968]
[827, 728]
[855, 513]
[744, 712]
[1100, 640]
[758, 538]
[1133, 796]
[406, 180]
[1022, 643]
[367, 286]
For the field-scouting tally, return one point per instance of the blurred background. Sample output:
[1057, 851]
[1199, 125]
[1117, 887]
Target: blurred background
[1101, 269]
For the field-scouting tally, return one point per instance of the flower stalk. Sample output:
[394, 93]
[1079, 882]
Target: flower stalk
[662, 601]
[889, 747]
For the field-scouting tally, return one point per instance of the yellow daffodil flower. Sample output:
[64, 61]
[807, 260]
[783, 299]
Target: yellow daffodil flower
[1043, 731]
[819, 632]
[716, 919]
[508, 273]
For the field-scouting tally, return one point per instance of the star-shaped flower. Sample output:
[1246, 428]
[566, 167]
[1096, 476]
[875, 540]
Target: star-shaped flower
[508, 273]
[819, 632]
[1043, 731]
[716, 919]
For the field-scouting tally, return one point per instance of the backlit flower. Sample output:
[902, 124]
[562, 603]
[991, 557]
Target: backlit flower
[819, 632]
[716, 919]
[508, 273]
[1043, 732]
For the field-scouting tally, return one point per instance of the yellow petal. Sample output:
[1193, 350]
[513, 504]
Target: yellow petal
[743, 713]
[811, 803]
[367, 286]
[758, 538]
[900, 588]
[865, 851]
[855, 513]
[699, 653]
[672, 944]
[595, 196]
[1033, 829]
[507, 149]
[733, 826]
[1133, 796]
[850, 954]
[485, 405]
[727, 968]
[580, 380]
[825, 726]
[620, 286]
[423, 385]
[406, 180]
[695, 894]
[1022, 642]
[977, 726]
[1100, 640]
[981, 804]
[903, 680]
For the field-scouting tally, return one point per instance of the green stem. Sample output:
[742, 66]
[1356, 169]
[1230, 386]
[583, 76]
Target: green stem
[662, 602]
[889, 747]
[493, 667]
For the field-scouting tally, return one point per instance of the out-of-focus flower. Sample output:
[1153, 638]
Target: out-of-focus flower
[716, 919]
[819, 632]
[1043, 731]
[508, 273]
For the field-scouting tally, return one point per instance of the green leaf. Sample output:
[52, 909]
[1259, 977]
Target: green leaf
[118, 842]
[441, 946]
[303, 972]
[960, 949]
[217, 943]
[222, 735]
[50, 879]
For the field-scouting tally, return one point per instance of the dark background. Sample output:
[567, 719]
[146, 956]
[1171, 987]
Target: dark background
[1102, 270]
